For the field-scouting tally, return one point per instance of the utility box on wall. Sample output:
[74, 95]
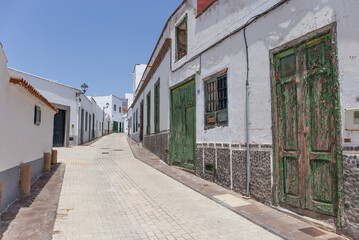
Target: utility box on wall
[352, 119]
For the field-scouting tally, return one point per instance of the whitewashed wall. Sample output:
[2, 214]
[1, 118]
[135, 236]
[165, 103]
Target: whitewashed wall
[58, 93]
[162, 73]
[290, 21]
[21, 140]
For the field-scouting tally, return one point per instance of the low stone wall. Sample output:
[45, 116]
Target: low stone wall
[158, 144]
[351, 192]
[229, 164]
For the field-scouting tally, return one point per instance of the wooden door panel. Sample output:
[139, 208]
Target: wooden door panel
[183, 125]
[189, 135]
[307, 123]
[321, 182]
[320, 195]
[291, 184]
[289, 115]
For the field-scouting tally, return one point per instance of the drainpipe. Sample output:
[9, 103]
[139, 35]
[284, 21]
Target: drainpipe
[247, 86]
[247, 115]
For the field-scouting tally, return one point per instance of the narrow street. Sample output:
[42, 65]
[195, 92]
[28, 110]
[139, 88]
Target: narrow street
[108, 194]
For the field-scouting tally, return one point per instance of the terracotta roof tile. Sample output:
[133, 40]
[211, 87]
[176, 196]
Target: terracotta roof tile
[22, 82]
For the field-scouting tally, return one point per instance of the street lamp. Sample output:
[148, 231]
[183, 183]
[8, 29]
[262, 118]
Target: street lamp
[103, 114]
[84, 88]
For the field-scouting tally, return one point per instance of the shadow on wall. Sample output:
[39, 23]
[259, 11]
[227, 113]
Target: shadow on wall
[38, 209]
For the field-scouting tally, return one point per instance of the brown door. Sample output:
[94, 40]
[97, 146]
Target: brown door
[306, 123]
[141, 121]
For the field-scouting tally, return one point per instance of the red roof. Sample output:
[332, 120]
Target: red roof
[124, 109]
[22, 82]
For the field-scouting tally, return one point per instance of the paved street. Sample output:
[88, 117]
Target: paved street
[109, 194]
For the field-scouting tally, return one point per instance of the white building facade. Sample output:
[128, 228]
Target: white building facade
[76, 121]
[112, 106]
[291, 51]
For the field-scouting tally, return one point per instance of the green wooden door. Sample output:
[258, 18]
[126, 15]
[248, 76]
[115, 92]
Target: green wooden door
[115, 127]
[59, 129]
[307, 131]
[183, 125]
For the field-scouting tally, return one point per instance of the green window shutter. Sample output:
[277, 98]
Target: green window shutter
[149, 113]
[157, 107]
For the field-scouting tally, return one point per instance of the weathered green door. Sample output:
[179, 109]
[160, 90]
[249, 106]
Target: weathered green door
[59, 129]
[307, 124]
[183, 124]
[115, 127]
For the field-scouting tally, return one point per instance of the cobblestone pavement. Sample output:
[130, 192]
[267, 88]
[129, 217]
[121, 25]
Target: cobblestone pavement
[109, 194]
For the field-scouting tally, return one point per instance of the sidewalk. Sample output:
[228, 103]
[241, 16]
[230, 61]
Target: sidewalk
[33, 217]
[277, 222]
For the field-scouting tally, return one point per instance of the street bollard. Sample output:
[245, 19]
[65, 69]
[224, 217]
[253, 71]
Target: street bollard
[25, 180]
[47, 162]
[54, 157]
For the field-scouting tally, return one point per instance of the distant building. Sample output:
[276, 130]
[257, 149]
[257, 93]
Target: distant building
[79, 119]
[26, 128]
[115, 123]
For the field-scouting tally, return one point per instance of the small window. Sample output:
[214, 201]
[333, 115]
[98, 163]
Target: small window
[37, 115]
[114, 107]
[216, 113]
[181, 39]
[119, 109]
[287, 66]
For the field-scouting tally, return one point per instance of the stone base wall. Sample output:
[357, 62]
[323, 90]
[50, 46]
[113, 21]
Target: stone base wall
[351, 193]
[229, 163]
[158, 144]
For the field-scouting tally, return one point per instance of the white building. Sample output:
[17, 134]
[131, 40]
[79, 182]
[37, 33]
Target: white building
[112, 106]
[26, 131]
[291, 51]
[137, 76]
[74, 124]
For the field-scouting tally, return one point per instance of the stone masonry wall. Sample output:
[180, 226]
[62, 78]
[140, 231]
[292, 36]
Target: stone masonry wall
[351, 192]
[230, 167]
[158, 144]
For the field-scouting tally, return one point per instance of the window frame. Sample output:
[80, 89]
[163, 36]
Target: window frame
[114, 107]
[180, 22]
[37, 115]
[217, 112]
[157, 103]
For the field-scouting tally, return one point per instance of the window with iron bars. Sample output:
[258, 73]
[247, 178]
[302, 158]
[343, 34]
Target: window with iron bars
[216, 109]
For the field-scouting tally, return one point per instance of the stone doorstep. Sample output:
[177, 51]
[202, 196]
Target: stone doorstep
[258, 213]
[320, 224]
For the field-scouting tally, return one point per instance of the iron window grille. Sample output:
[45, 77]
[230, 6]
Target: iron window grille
[216, 100]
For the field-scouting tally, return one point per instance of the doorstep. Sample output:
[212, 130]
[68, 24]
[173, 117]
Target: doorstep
[275, 220]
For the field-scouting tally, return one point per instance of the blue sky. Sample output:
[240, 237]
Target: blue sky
[77, 41]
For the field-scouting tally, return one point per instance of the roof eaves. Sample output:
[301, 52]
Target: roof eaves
[52, 81]
[23, 83]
